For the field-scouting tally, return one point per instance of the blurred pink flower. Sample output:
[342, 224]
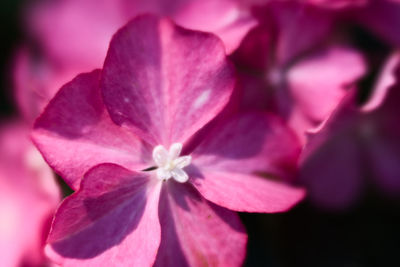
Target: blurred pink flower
[301, 77]
[355, 143]
[74, 36]
[153, 102]
[28, 198]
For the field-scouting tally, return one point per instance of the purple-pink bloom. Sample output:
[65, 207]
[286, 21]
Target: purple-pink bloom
[162, 176]
[356, 143]
[300, 78]
[28, 198]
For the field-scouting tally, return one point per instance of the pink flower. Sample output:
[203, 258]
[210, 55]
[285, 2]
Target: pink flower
[355, 143]
[151, 106]
[28, 198]
[301, 78]
[74, 36]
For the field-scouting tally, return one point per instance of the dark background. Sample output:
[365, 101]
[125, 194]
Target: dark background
[366, 235]
[10, 37]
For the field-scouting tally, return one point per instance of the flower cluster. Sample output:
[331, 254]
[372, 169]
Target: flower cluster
[166, 118]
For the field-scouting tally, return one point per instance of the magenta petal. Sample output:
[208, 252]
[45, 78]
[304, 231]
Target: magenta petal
[320, 82]
[384, 155]
[281, 22]
[247, 193]
[382, 130]
[354, 144]
[225, 18]
[333, 174]
[387, 78]
[256, 48]
[253, 142]
[195, 232]
[75, 132]
[255, 94]
[233, 33]
[154, 83]
[111, 220]
[331, 167]
[235, 152]
[291, 18]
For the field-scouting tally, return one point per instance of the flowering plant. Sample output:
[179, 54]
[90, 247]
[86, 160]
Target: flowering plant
[126, 128]
[165, 119]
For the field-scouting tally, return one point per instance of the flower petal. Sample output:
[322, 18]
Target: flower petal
[233, 155]
[320, 82]
[330, 164]
[75, 132]
[196, 232]
[384, 156]
[290, 18]
[353, 144]
[154, 83]
[332, 174]
[111, 220]
[253, 142]
[174, 151]
[381, 129]
[386, 79]
[225, 18]
[247, 193]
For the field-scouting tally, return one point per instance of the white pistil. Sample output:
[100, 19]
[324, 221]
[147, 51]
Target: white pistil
[170, 164]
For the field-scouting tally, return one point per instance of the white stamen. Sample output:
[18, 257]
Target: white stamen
[160, 155]
[175, 151]
[179, 175]
[170, 164]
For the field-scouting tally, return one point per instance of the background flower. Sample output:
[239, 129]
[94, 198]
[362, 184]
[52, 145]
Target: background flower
[28, 198]
[304, 82]
[356, 143]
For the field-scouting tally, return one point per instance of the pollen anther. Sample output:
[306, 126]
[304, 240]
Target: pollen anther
[170, 164]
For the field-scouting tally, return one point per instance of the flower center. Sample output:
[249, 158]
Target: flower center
[170, 164]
